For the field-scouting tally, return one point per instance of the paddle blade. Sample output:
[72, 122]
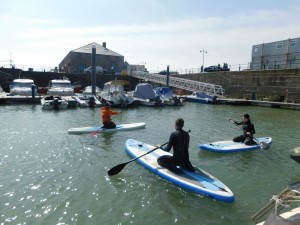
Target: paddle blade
[116, 169]
[264, 145]
[94, 133]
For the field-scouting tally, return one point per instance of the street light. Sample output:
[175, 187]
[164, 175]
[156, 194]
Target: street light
[203, 51]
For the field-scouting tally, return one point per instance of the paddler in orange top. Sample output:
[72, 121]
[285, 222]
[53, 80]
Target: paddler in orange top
[106, 116]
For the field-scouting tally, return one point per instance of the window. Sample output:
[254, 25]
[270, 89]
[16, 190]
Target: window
[256, 48]
[293, 43]
[279, 45]
[81, 67]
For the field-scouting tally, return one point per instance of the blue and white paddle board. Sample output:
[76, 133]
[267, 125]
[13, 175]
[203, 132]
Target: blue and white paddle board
[231, 146]
[99, 129]
[199, 182]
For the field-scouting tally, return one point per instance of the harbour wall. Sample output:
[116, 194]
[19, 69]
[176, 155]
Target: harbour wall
[271, 85]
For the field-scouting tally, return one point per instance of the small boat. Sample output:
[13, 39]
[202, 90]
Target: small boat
[56, 103]
[23, 87]
[114, 93]
[277, 211]
[145, 95]
[201, 97]
[199, 182]
[231, 146]
[167, 96]
[87, 100]
[99, 129]
[88, 90]
[60, 88]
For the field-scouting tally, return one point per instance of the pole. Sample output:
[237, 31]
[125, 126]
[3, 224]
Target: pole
[203, 51]
[168, 74]
[93, 69]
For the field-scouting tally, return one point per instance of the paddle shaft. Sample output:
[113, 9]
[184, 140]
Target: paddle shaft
[243, 130]
[95, 132]
[118, 168]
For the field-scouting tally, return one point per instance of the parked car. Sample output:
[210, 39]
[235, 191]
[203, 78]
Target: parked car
[99, 69]
[212, 69]
[164, 72]
[217, 68]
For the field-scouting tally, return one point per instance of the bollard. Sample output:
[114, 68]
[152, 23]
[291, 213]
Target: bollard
[33, 91]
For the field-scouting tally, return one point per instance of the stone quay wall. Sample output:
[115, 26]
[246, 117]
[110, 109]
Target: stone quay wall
[270, 85]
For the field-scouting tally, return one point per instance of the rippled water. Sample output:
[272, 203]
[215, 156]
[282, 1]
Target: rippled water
[48, 176]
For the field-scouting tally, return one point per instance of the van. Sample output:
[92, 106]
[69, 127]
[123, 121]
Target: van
[88, 70]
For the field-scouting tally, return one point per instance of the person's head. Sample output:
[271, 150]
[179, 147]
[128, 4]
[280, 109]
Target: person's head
[246, 117]
[179, 123]
[107, 104]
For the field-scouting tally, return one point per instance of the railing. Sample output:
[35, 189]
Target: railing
[185, 84]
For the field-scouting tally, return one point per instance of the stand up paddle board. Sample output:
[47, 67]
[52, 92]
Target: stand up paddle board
[199, 182]
[231, 146]
[99, 129]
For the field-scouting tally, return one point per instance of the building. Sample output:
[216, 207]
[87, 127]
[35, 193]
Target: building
[79, 59]
[276, 55]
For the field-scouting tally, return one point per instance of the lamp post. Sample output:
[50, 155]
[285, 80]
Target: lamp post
[203, 51]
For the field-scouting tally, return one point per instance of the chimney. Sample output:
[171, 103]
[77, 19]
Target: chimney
[104, 45]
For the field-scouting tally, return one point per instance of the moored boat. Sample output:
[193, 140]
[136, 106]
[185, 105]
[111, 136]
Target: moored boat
[23, 87]
[87, 100]
[167, 96]
[145, 95]
[282, 208]
[55, 103]
[114, 93]
[202, 97]
[60, 87]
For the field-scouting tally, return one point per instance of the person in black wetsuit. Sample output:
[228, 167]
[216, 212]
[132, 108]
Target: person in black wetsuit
[249, 131]
[179, 140]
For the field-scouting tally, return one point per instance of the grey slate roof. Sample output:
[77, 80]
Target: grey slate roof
[99, 50]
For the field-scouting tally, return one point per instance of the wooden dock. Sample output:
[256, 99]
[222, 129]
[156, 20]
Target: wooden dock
[283, 105]
[17, 99]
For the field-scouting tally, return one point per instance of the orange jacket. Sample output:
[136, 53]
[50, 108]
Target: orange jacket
[106, 114]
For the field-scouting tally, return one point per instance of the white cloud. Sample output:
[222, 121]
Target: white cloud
[175, 43]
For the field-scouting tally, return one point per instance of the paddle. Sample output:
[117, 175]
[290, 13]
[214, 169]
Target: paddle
[262, 144]
[118, 168]
[94, 133]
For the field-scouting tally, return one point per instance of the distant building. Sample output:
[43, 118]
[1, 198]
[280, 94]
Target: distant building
[79, 59]
[276, 55]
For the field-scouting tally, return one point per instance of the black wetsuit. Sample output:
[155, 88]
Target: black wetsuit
[247, 127]
[179, 140]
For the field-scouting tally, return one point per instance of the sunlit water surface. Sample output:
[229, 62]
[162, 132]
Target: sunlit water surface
[48, 176]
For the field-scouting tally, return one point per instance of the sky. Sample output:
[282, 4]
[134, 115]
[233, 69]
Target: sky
[156, 33]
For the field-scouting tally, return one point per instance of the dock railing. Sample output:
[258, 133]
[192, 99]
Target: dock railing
[185, 84]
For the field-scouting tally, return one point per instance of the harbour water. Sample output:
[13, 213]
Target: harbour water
[48, 176]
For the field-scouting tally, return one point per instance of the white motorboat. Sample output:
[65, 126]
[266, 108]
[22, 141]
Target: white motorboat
[277, 208]
[202, 97]
[114, 93]
[56, 103]
[145, 95]
[167, 96]
[87, 100]
[88, 90]
[60, 88]
[23, 87]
